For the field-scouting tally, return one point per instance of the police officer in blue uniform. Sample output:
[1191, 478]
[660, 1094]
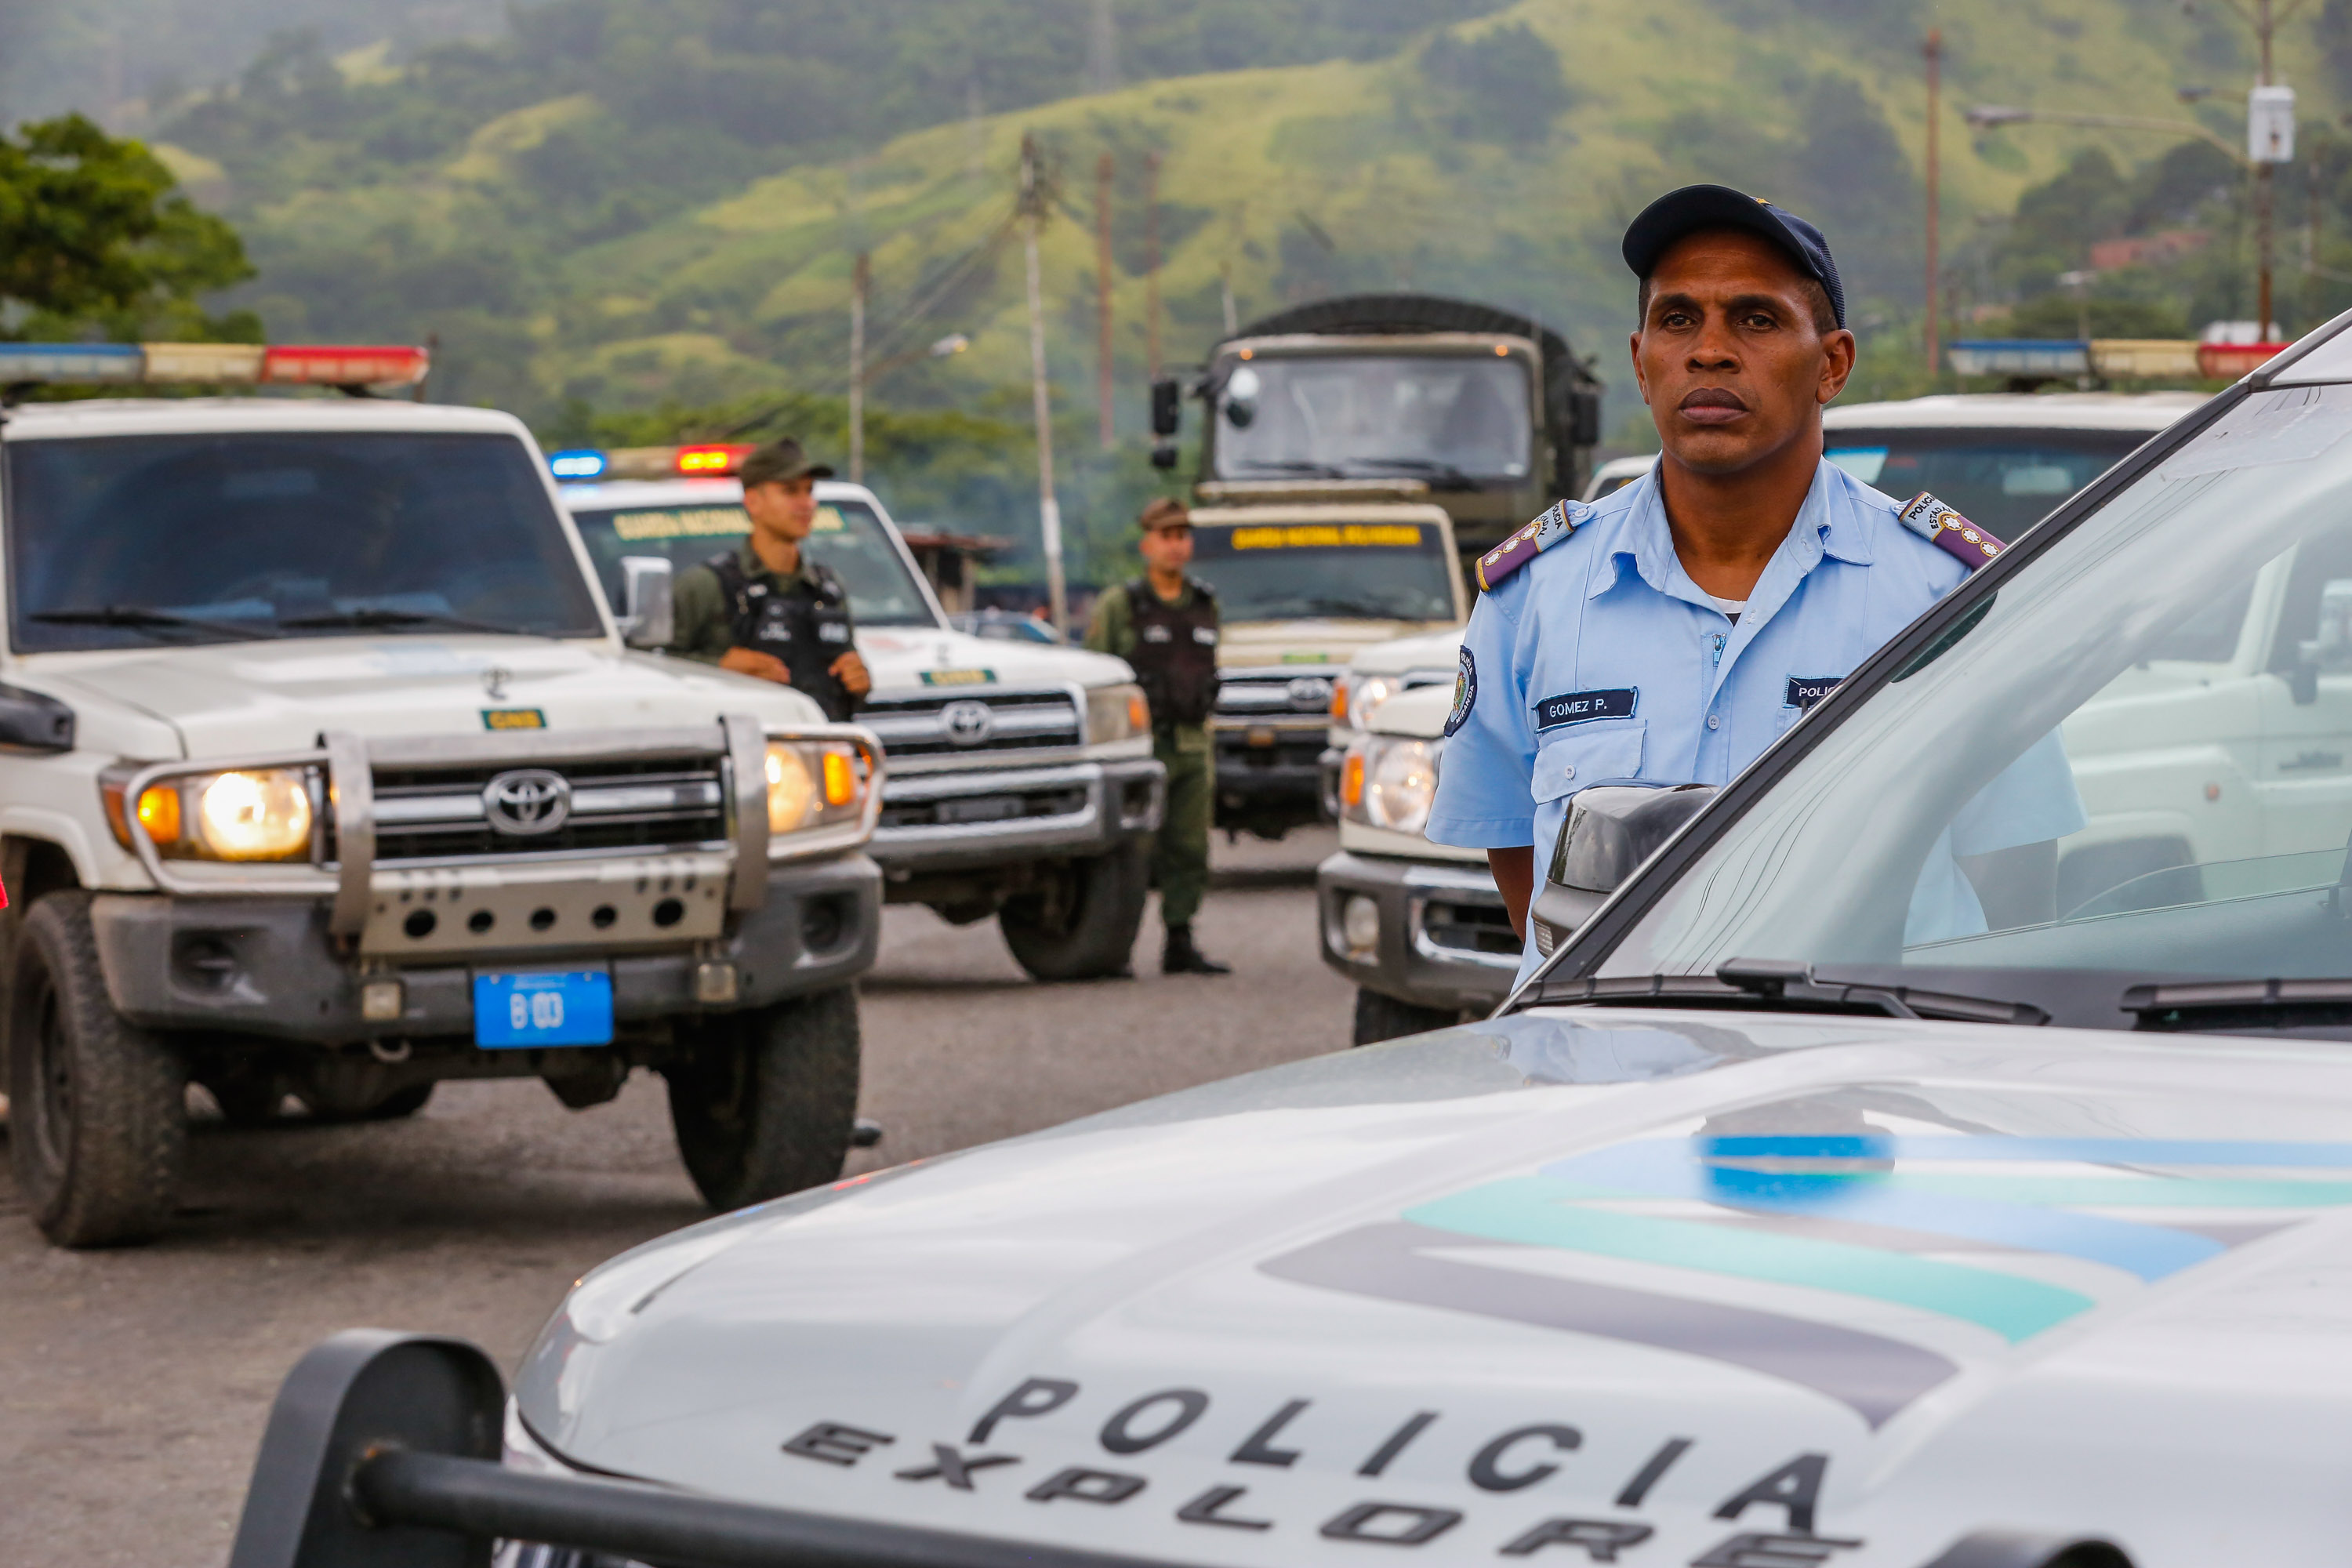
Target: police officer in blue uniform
[1671, 631]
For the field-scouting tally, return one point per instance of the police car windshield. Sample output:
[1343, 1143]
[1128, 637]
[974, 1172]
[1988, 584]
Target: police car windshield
[1356, 570]
[2132, 766]
[2007, 479]
[1447, 420]
[848, 538]
[132, 541]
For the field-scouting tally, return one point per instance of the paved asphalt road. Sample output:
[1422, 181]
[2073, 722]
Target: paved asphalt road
[133, 1385]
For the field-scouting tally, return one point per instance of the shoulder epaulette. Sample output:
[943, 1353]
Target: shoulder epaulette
[1530, 542]
[1939, 525]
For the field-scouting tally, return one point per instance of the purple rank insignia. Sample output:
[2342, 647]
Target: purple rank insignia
[1939, 525]
[1554, 525]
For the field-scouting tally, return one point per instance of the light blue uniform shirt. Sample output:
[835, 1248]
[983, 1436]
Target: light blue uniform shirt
[1601, 661]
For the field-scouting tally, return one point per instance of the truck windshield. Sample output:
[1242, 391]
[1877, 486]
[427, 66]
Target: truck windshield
[1440, 419]
[848, 537]
[2006, 479]
[1362, 571]
[2132, 762]
[125, 541]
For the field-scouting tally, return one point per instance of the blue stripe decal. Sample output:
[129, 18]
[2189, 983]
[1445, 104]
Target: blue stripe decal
[1666, 1170]
[1530, 1211]
[2088, 1150]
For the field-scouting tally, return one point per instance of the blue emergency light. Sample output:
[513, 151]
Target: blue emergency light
[71, 363]
[576, 465]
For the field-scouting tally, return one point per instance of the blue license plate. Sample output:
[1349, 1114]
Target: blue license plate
[543, 1007]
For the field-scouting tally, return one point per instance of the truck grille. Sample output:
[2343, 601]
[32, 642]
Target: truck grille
[1470, 928]
[978, 722]
[446, 813]
[1263, 694]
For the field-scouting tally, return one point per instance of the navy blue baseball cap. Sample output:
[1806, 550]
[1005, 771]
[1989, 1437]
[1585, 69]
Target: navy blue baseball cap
[1695, 207]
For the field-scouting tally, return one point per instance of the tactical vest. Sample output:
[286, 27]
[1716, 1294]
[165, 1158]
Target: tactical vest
[1175, 656]
[807, 630]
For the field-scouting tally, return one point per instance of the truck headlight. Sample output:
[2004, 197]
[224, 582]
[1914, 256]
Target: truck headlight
[1389, 782]
[1354, 699]
[1116, 713]
[259, 813]
[815, 784]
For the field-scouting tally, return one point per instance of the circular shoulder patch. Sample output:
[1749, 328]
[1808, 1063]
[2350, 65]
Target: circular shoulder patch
[1465, 692]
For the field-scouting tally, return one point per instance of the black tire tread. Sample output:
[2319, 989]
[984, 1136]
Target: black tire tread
[1099, 941]
[1379, 1017]
[791, 1124]
[122, 1168]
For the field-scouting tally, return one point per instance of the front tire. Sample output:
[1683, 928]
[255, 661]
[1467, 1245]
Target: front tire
[765, 1101]
[1081, 925]
[98, 1113]
[1379, 1017]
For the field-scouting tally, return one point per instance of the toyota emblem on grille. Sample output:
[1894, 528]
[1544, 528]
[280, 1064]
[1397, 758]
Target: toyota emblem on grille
[967, 722]
[527, 802]
[1310, 693]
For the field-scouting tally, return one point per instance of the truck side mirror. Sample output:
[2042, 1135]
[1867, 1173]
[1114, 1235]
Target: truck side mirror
[1167, 407]
[1164, 453]
[2330, 650]
[649, 618]
[1584, 418]
[1610, 831]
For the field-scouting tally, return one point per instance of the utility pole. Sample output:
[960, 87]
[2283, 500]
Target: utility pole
[1049, 510]
[1103, 169]
[1934, 53]
[2263, 190]
[859, 274]
[1152, 266]
[1225, 286]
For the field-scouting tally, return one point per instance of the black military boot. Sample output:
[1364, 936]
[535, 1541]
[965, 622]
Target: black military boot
[1181, 957]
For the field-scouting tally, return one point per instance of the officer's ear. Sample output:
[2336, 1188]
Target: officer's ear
[1837, 363]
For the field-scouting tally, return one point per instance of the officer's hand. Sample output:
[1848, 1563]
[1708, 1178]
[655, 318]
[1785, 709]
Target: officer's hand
[850, 671]
[751, 661]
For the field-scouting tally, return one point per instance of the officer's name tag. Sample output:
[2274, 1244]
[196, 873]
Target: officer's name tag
[1583, 707]
[833, 631]
[1804, 691]
[1157, 633]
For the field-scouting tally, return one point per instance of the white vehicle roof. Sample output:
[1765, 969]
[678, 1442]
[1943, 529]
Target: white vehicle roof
[2149, 410]
[1618, 472]
[622, 493]
[208, 416]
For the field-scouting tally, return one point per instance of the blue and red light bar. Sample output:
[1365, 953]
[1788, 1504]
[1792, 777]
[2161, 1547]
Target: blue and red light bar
[709, 460]
[245, 364]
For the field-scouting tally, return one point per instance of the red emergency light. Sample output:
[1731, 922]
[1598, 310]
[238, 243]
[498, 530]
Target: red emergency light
[319, 364]
[715, 461]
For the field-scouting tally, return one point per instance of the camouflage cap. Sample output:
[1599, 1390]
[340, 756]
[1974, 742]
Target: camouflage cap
[778, 462]
[1163, 511]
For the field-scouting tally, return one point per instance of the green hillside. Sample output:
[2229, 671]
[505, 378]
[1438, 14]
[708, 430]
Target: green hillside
[595, 239]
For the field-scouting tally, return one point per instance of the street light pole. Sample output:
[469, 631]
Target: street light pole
[1935, 53]
[1049, 510]
[2262, 187]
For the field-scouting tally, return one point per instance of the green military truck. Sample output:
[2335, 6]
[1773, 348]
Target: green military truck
[1491, 409]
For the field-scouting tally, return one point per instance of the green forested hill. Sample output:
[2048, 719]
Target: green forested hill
[635, 203]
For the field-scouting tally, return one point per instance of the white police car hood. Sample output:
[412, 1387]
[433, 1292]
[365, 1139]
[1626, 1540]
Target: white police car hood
[225, 699]
[916, 661]
[1640, 1287]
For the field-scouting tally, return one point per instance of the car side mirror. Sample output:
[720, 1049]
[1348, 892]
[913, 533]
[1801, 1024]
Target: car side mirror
[1164, 453]
[1610, 831]
[1167, 407]
[649, 618]
[2329, 649]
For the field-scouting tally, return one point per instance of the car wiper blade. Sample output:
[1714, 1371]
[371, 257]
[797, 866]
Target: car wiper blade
[1287, 466]
[138, 619]
[1779, 984]
[382, 617]
[1430, 466]
[2220, 1004]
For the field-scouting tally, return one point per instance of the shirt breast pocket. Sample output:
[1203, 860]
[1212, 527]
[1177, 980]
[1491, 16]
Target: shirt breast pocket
[1602, 754]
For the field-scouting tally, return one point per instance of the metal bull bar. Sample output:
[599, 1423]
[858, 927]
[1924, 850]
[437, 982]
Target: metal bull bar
[383, 1452]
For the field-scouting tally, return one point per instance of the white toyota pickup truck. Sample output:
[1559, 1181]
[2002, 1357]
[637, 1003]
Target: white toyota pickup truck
[324, 771]
[1021, 781]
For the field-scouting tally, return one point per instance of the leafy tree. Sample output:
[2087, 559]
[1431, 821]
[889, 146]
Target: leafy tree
[94, 233]
[1504, 85]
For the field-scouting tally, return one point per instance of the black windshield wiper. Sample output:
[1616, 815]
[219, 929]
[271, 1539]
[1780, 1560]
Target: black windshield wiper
[1287, 466]
[382, 617]
[2222, 1005]
[1447, 472]
[1779, 984]
[136, 619]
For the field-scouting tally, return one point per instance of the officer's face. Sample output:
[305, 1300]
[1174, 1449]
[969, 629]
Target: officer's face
[1729, 357]
[786, 507]
[1168, 549]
